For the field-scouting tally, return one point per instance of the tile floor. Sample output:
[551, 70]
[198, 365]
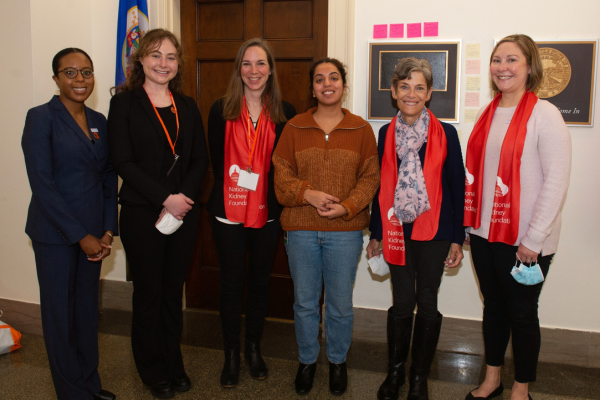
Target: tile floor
[24, 374]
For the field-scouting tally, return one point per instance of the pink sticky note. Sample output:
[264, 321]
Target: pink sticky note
[396, 30]
[430, 29]
[413, 30]
[380, 31]
[473, 66]
[471, 99]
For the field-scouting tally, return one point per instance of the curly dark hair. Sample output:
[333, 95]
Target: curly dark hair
[312, 101]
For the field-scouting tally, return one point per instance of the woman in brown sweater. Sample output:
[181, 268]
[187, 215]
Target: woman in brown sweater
[326, 174]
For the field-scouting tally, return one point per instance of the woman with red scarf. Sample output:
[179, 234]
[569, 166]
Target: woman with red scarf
[243, 129]
[418, 218]
[518, 164]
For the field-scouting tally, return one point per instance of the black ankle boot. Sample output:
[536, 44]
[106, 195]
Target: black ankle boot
[304, 378]
[338, 378]
[230, 376]
[425, 339]
[258, 368]
[398, 335]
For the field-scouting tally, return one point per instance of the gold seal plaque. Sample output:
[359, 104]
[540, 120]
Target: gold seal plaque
[557, 72]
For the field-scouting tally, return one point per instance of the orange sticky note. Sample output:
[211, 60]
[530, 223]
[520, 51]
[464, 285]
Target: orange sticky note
[380, 31]
[396, 30]
[413, 30]
[430, 29]
[473, 67]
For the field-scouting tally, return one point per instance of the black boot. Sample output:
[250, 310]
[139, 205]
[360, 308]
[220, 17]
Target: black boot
[338, 378]
[258, 368]
[398, 335]
[230, 376]
[425, 339]
[304, 378]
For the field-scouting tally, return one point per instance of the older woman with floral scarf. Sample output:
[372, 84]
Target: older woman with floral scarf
[417, 217]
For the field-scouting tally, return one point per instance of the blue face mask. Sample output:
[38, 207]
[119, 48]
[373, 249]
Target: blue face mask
[527, 275]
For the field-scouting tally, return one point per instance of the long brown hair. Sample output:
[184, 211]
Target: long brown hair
[532, 55]
[150, 42]
[271, 95]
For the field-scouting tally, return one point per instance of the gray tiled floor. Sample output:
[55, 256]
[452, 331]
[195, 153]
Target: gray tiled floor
[24, 374]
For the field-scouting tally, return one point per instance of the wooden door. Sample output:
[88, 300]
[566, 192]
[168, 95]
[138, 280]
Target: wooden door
[212, 32]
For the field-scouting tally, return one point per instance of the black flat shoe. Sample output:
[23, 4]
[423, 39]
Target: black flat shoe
[258, 368]
[304, 378]
[495, 393]
[338, 378]
[230, 376]
[162, 390]
[182, 384]
[104, 395]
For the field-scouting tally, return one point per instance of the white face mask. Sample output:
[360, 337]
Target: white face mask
[167, 224]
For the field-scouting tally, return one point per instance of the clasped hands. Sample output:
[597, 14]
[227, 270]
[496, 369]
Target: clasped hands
[96, 249]
[327, 206]
[178, 205]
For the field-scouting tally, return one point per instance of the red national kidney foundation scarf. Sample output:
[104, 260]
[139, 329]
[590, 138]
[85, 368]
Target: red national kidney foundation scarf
[243, 145]
[426, 225]
[504, 226]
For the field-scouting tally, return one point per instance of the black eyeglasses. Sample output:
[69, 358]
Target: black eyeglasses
[71, 73]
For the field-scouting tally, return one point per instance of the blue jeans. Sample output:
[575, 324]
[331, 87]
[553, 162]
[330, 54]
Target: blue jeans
[331, 257]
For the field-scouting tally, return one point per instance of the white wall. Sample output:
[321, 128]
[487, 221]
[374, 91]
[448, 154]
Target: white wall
[570, 298]
[35, 30]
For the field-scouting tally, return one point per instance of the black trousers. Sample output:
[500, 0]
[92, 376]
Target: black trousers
[508, 307]
[232, 242]
[417, 282]
[159, 265]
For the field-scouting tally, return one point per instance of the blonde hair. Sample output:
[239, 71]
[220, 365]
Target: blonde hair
[532, 55]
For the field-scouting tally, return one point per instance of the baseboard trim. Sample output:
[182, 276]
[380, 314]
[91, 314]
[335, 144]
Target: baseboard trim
[458, 335]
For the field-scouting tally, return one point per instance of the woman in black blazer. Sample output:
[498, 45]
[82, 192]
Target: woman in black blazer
[158, 148]
[71, 221]
[243, 129]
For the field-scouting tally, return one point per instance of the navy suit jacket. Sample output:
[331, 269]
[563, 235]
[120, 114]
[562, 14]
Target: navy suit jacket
[73, 184]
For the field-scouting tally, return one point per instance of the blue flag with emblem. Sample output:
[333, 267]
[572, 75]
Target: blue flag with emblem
[133, 24]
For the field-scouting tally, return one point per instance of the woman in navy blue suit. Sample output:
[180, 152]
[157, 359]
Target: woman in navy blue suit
[158, 148]
[71, 221]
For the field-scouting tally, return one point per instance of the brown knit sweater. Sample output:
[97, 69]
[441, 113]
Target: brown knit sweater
[346, 166]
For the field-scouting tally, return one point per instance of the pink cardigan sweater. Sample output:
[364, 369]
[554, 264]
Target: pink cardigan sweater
[545, 171]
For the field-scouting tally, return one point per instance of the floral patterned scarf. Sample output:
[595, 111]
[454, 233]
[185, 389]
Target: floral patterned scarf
[410, 198]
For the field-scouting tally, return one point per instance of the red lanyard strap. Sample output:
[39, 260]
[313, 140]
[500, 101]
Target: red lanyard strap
[163, 124]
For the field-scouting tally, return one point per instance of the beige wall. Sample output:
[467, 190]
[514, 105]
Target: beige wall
[34, 31]
[570, 298]
[39, 28]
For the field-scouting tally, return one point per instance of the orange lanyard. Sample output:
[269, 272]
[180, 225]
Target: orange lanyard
[174, 107]
[249, 169]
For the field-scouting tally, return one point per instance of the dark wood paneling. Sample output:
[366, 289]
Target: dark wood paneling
[288, 19]
[211, 25]
[212, 32]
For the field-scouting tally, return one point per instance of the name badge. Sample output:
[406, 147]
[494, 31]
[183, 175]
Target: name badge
[248, 180]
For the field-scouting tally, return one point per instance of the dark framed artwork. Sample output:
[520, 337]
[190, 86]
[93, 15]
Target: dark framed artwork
[444, 58]
[569, 78]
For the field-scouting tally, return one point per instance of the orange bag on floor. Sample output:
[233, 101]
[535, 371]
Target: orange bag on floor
[10, 339]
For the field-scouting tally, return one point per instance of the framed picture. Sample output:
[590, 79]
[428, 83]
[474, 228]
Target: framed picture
[569, 78]
[444, 58]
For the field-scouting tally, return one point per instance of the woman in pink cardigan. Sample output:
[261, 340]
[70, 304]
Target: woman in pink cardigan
[517, 174]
